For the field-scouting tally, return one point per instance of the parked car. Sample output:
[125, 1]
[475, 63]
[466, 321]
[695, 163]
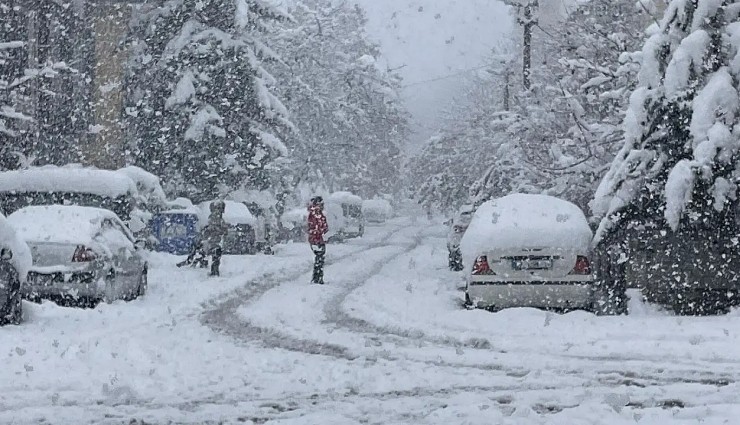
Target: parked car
[81, 255]
[150, 200]
[240, 238]
[68, 185]
[529, 251]
[262, 205]
[294, 225]
[376, 210]
[344, 216]
[458, 225]
[264, 228]
[15, 260]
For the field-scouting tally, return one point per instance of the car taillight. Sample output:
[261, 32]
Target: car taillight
[481, 267]
[459, 229]
[83, 254]
[583, 266]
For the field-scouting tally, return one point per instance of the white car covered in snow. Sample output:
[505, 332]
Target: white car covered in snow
[80, 255]
[15, 260]
[376, 210]
[68, 185]
[240, 238]
[344, 215]
[529, 251]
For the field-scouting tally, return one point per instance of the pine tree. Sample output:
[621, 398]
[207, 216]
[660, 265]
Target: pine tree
[349, 116]
[675, 176]
[201, 107]
[41, 120]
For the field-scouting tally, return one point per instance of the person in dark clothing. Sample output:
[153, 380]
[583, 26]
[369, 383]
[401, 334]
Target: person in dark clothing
[210, 240]
[317, 228]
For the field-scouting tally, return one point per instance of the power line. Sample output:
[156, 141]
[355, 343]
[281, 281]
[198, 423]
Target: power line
[446, 77]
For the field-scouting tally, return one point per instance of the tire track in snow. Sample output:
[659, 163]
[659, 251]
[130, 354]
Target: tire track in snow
[221, 315]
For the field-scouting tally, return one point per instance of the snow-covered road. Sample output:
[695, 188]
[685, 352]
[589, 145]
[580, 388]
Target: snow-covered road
[384, 342]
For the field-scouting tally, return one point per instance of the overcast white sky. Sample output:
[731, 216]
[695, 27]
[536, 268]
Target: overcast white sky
[433, 39]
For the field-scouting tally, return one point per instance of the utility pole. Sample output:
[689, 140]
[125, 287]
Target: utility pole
[527, 18]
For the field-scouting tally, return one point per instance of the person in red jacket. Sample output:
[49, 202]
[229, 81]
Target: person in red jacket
[317, 228]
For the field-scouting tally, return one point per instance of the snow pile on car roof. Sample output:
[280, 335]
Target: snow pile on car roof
[181, 206]
[70, 178]
[148, 185]
[344, 198]
[293, 217]
[235, 213]
[59, 223]
[262, 198]
[9, 239]
[525, 221]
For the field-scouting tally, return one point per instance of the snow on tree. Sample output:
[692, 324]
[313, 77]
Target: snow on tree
[558, 136]
[201, 110]
[349, 116]
[677, 172]
[39, 119]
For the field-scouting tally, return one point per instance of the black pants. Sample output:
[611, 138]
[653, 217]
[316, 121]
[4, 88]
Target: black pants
[216, 261]
[318, 264]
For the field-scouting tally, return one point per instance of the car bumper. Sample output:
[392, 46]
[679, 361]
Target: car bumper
[74, 283]
[558, 294]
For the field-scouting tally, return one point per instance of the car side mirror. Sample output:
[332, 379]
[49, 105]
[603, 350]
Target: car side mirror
[6, 254]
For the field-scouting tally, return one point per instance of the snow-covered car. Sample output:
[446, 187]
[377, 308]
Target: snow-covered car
[68, 185]
[79, 254]
[294, 225]
[344, 215]
[458, 225]
[150, 199]
[175, 228]
[15, 260]
[262, 206]
[376, 210]
[240, 238]
[529, 251]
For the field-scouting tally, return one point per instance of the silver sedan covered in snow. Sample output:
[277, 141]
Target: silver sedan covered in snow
[529, 251]
[79, 254]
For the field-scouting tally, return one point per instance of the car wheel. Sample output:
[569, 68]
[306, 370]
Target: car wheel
[143, 283]
[609, 301]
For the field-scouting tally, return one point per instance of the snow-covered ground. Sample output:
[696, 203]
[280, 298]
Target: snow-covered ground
[386, 341]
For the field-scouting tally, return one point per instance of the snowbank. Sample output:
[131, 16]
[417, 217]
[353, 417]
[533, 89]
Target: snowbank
[521, 221]
[377, 210]
[74, 179]
[10, 240]
[59, 223]
[235, 213]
